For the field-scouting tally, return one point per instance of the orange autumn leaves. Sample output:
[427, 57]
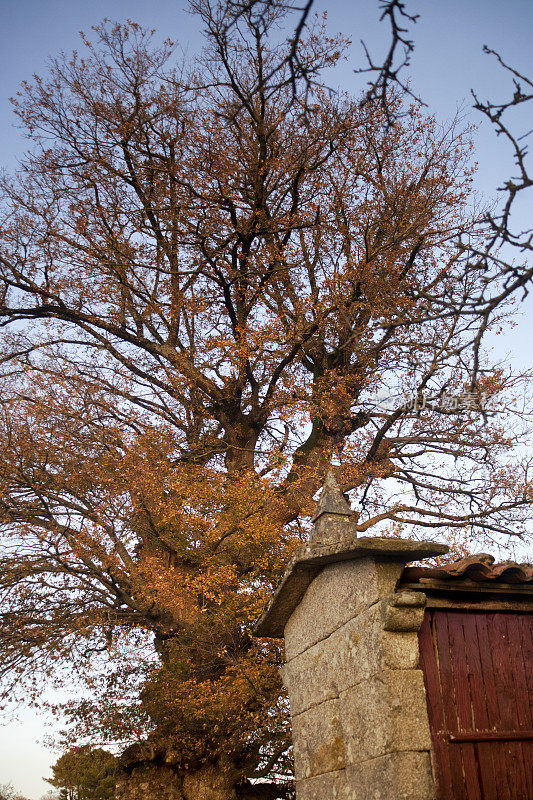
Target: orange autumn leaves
[208, 282]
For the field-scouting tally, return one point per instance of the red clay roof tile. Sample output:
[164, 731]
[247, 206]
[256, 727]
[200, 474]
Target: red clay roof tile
[477, 568]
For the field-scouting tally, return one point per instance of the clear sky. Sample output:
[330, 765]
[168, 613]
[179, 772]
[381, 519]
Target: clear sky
[447, 63]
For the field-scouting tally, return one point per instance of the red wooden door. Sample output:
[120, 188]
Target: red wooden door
[478, 671]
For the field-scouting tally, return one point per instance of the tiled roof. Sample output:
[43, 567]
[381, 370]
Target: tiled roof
[479, 568]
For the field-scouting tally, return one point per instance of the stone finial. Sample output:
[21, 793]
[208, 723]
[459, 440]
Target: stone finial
[331, 500]
[332, 519]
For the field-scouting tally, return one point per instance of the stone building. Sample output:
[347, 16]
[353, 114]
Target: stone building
[395, 689]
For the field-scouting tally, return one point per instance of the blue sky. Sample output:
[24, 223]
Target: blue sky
[447, 63]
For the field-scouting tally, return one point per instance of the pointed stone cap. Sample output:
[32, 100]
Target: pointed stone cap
[333, 519]
[331, 500]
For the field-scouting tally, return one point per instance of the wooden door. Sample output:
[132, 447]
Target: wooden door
[478, 671]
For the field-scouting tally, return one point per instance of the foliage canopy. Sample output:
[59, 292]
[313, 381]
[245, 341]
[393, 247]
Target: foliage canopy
[85, 773]
[217, 278]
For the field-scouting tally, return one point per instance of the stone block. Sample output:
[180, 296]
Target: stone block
[356, 649]
[310, 678]
[352, 654]
[331, 786]
[400, 650]
[309, 560]
[385, 714]
[404, 612]
[336, 595]
[318, 742]
[396, 776]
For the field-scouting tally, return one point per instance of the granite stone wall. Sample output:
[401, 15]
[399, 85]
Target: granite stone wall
[358, 705]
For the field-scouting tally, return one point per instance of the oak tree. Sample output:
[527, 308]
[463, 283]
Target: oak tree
[218, 278]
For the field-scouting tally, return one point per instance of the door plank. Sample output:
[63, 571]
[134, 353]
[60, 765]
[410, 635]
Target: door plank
[430, 669]
[463, 703]
[508, 702]
[493, 710]
[479, 703]
[459, 790]
[524, 709]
